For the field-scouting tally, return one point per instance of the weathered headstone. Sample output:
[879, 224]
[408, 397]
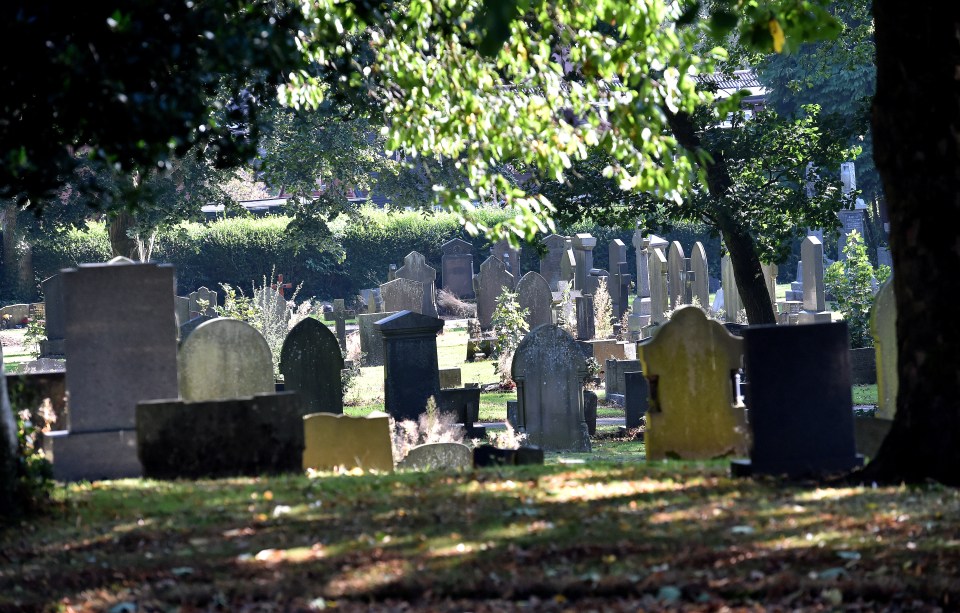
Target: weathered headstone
[641, 245]
[220, 438]
[187, 328]
[54, 322]
[676, 275]
[340, 441]
[694, 412]
[510, 258]
[583, 245]
[340, 314]
[807, 434]
[371, 341]
[615, 374]
[731, 295]
[635, 397]
[181, 306]
[402, 295]
[883, 327]
[700, 284]
[814, 295]
[209, 297]
[456, 266]
[533, 294]
[659, 286]
[852, 220]
[121, 341]
[489, 284]
[586, 324]
[224, 358]
[568, 266]
[415, 268]
[311, 363]
[770, 278]
[550, 264]
[410, 373]
[549, 370]
[438, 456]
[619, 281]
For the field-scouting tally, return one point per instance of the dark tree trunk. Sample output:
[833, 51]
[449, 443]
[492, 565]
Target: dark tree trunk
[916, 127]
[120, 241]
[11, 259]
[743, 254]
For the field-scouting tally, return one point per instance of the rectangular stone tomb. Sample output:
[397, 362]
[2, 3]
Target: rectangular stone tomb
[806, 434]
[221, 438]
[341, 441]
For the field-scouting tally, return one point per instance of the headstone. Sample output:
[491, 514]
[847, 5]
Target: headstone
[641, 245]
[438, 456]
[814, 295]
[533, 294]
[808, 434]
[770, 278]
[224, 358]
[568, 266]
[602, 349]
[340, 441]
[676, 275]
[549, 370]
[340, 314]
[659, 286]
[583, 245]
[220, 438]
[694, 412]
[372, 300]
[510, 258]
[731, 294]
[586, 324]
[590, 403]
[450, 378]
[593, 281]
[883, 327]
[402, 295]
[700, 284]
[415, 268]
[311, 363]
[550, 264]
[189, 326]
[852, 220]
[202, 295]
[371, 341]
[464, 403]
[635, 397]
[456, 267]
[273, 306]
[181, 306]
[29, 388]
[54, 322]
[619, 276]
[391, 272]
[121, 341]
[410, 373]
[615, 374]
[489, 284]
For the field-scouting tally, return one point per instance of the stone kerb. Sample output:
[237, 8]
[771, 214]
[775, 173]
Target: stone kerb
[225, 358]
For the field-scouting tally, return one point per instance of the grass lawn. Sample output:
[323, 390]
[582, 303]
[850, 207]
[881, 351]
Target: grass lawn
[865, 394]
[602, 535]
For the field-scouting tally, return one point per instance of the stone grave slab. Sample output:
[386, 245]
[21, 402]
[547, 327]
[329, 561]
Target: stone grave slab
[311, 363]
[438, 456]
[340, 441]
[222, 359]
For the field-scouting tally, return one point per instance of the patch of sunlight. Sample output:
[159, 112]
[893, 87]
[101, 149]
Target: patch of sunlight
[829, 493]
[368, 577]
[460, 549]
[571, 490]
[669, 517]
[506, 532]
[294, 555]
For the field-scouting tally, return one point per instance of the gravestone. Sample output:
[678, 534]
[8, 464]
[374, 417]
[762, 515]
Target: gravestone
[884, 257]
[456, 266]
[814, 295]
[220, 438]
[583, 245]
[510, 258]
[586, 324]
[486, 456]
[635, 397]
[641, 246]
[549, 370]
[340, 441]
[533, 294]
[770, 278]
[590, 403]
[850, 221]
[619, 281]
[340, 314]
[694, 413]
[54, 323]
[207, 295]
[438, 456]
[615, 374]
[807, 434]
[700, 284]
[550, 264]
[410, 372]
[187, 328]
[568, 266]
[450, 378]
[311, 363]
[402, 295]
[391, 272]
[489, 284]
[121, 342]
[659, 286]
[222, 359]
[371, 341]
[731, 294]
[676, 275]
[464, 403]
[883, 327]
[415, 268]
[181, 306]
[373, 302]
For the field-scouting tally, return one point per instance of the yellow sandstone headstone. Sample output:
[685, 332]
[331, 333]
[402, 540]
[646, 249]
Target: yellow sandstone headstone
[332, 441]
[693, 414]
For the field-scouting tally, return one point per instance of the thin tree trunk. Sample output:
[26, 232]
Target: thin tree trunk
[121, 244]
[11, 258]
[9, 500]
[916, 127]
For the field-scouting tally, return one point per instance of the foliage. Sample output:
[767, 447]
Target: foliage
[35, 334]
[593, 367]
[567, 319]
[851, 283]
[35, 472]
[603, 310]
[508, 438]
[431, 427]
[510, 326]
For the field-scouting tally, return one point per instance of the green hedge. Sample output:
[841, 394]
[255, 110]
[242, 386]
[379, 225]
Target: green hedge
[240, 251]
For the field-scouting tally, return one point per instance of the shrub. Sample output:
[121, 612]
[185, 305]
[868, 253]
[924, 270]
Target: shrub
[510, 326]
[449, 304]
[431, 427]
[603, 310]
[851, 283]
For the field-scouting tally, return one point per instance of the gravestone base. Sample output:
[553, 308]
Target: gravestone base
[53, 348]
[824, 467]
[92, 456]
[814, 317]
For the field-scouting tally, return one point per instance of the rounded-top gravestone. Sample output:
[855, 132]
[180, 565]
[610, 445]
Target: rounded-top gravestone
[310, 362]
[224, 358]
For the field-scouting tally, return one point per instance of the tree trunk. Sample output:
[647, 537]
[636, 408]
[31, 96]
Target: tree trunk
[121, 243]
[743, 255]
[10, 275]
[9, 500]
[916, 127]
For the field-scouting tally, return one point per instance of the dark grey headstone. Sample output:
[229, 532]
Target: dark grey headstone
[863, 366]
[489, 284]
[510, 258]
[311, 363]
[636, 397]
[456, 267]
[550, 264]
[800, 407]
[202, 294]
[586, 324]
[533, 294]
[590, 402]
[410, 374]
[464, 402]
[371, 341]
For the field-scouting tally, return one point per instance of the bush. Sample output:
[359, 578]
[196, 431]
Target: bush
[851, 283]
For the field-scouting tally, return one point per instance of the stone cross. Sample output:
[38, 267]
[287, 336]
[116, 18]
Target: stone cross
[340, 315]
[279, 286]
